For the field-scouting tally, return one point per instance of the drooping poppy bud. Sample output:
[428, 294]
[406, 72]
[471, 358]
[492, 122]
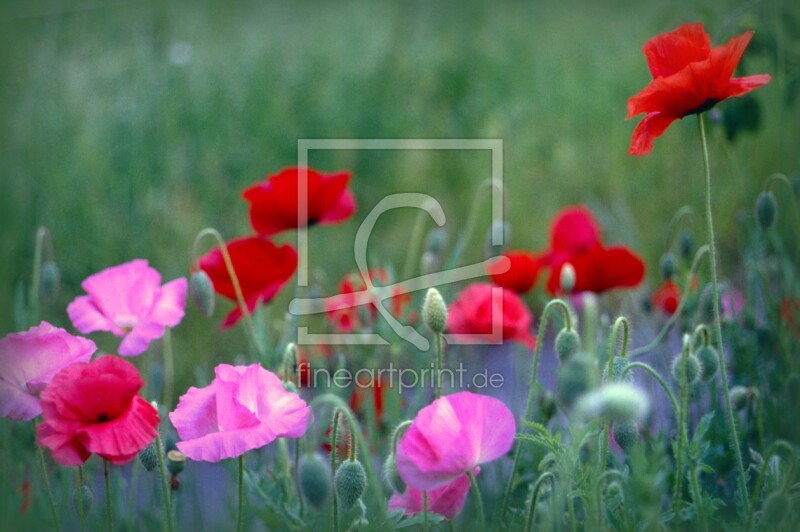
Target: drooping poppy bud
[685, 245]
[314, 477]
[620, 363]
[350, 482]
[766, 210]
[83, 497]
[201, 291]
[739, 397]
[694, 369]
[567, 344]
[667, 266]
[626, 435]
[709, 359]
[392, 475]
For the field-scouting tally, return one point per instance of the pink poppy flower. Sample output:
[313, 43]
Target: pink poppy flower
[28, 362]
[244, 408]
[95, 408]
[447, 501]
[481, 307]
[129, 301]
[452, 436]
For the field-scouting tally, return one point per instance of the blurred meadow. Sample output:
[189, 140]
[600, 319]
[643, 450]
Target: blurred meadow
[127, 127]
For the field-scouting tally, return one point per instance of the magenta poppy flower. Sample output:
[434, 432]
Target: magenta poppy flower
[129, 301]
[262, 268]
[482, 308]
[274, 203]
[28, 362]
[244, 408]
[452, 436]
[447, 501]
[95, 408]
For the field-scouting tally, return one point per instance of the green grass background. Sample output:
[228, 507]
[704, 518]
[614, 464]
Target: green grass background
[123, 153]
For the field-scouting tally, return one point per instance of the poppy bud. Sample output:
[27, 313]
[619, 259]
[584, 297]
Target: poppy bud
[739, 396]
[175, 462]
[434, 311]
[620, 363]
[567, 278]
[567, 344]
[619, 402]
[685, 245]
[500, 231]
[85, 498]
[626, 435]
[201, 290]
[694, 368]
[314, 476]
[149, 457]
[667, 266]
[436, 241]
[614, 489]
[709, 360]
[50, 279]
[350, 482]
[575, 377]
[766, 210]
[392, 475]
[777, 506]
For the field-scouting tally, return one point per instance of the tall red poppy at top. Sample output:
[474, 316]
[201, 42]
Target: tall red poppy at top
[274, 203]
[689, 77]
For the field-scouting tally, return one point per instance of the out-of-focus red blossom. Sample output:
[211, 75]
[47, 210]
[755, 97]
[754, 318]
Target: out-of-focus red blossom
[575, 238]
[482, 307]
[345, 311]
[361, 394]
[261, 267]
[790, 314]
[25, 492]
[342, 440]
[689, 77]
[95, 408]
[274, 202]
[667, 297]
[522, 274]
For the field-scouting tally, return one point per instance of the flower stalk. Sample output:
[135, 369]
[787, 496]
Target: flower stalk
[46, 481]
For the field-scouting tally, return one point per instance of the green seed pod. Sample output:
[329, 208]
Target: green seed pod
[350, 482]
[50, 279]
[392, 475]
[614, 490]
[739, 396]
[620, 363]
[667, 266]
[201, 290]
[685, 245]
[626, 435]
[577, 376]
[175, 462]
[709, 360]
[434, 311]
[149, 457]
[85, 498]
[777, 506]
[567, 278]
[314, 476]
[567, 344]
[694, 369]
[766, 210]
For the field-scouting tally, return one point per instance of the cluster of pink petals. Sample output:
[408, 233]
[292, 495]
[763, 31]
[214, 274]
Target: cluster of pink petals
[452, 436]
[244, 408]
[28, 362]
[447, 500]
[95, 408]
[129, 301]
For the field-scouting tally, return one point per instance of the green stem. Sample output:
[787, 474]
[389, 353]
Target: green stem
[478, 501]
[438, 364]
[717, 324]
[169, 367]
[678, 484]
[109, 514]
[684, 212]
[675, 315]
[472, 219]
[773, 449]
[698, 501]
[240, 512]
[334, 436]
[46, 480]
[622, 323]
[237, 288]
[79, 497]
[534, 496]
[297, 473]
[165, 492]
[661, 381]
[425, 525]
[548, 309]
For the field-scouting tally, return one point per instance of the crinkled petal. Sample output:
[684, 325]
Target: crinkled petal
[16, 404]
[170, 305]
[65, 447]
[137, 341]
[653, 125]
[126, 290]
[218, 446]
[86, 317]
[669, 53]
[740, 86]
[120, 439]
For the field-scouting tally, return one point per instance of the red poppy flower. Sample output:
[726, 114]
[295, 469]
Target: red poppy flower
[573, 231]
[689, 77]
[667, 297]
[95, 408]
[480, 307]
[274, 202]
[261, 267]
[790, 314]
[346, 312]
[601, 269]
[521, 276]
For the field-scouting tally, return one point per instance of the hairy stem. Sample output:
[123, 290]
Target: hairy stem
[165, 492]
[46, 481]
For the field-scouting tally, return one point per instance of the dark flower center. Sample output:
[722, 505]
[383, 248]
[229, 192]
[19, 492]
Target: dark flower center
[312, 222]
[705, 106]
[102, 418]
